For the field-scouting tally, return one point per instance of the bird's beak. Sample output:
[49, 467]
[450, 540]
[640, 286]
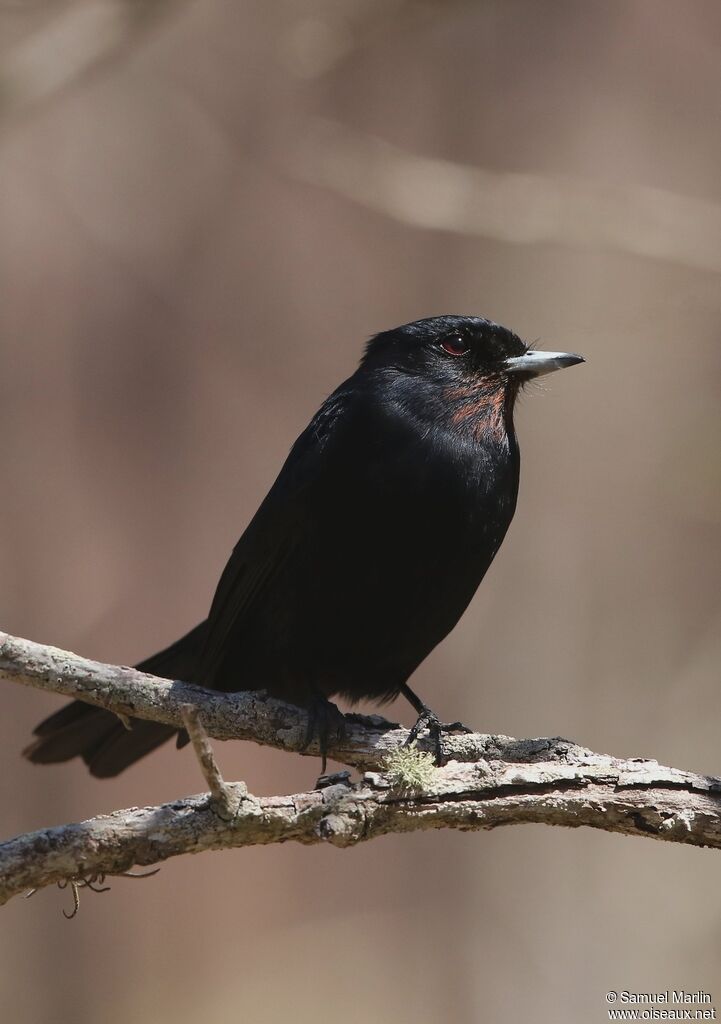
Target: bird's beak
[534, 363]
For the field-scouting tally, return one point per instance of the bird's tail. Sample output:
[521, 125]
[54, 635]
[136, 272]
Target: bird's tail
[98, 736]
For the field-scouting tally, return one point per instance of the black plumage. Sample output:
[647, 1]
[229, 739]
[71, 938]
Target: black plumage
[368, 547]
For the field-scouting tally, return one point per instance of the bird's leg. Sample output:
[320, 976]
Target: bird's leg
[325, 721]
[429, 720]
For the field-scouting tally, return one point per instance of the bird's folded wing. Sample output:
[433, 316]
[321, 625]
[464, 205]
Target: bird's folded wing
[275, 532]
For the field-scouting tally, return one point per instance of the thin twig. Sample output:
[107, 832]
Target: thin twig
[224, 798]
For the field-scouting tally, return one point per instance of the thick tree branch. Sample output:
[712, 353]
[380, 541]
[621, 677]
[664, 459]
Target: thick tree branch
[241, 716]
[492, 781]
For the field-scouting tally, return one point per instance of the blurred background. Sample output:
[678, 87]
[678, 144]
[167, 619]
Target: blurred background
[206, 208]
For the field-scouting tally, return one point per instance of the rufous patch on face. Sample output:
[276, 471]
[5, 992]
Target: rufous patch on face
[480, 407]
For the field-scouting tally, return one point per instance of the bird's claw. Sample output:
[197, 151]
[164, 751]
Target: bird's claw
[428, 719]
[326, 722]
[456, 727]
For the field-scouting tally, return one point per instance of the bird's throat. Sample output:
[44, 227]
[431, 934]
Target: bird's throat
[482, 409]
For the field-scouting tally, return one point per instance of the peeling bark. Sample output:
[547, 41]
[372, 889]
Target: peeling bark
[490, 781]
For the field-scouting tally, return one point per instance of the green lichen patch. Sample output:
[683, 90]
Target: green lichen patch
[409, 769]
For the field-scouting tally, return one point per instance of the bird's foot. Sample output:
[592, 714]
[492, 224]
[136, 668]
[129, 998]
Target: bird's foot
[326, 722]
[428, 719]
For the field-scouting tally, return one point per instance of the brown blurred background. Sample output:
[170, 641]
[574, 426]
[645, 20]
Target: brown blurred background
[206, 208]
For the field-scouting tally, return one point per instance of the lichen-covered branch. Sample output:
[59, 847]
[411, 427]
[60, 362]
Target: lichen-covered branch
[635, 798]
[243, 716]
[492, 781]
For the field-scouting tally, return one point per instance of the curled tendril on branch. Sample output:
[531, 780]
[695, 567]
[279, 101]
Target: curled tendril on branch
[93, 882]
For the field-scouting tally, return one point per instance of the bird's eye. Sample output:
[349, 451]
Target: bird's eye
[455, 345]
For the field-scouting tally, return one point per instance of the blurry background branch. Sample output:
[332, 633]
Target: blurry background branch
[495, 781]
[70, 43]
[410, 187]
[444, 195]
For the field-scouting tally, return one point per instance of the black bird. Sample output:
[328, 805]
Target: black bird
[368, 547]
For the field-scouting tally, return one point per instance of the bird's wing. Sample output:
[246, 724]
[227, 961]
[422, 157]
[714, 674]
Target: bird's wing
[274, 532]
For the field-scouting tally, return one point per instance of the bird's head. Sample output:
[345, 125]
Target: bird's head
[460, 368]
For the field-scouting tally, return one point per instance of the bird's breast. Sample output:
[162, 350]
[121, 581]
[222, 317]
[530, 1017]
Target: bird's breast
[398, 530]
[417, 520]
